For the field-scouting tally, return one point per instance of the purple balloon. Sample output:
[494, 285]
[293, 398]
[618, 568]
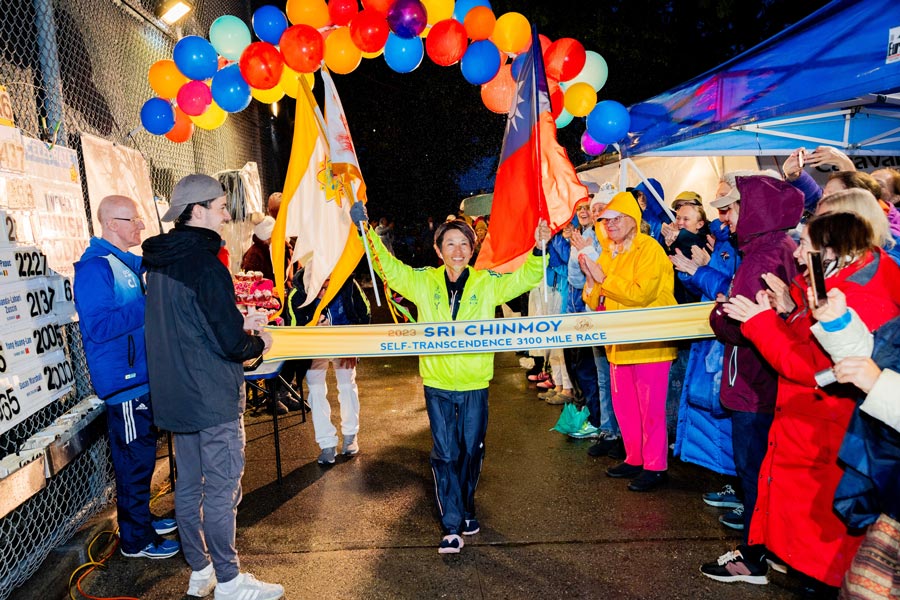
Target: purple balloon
[407, 18]
[590, 146]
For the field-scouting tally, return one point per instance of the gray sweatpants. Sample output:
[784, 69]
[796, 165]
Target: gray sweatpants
[207, 492]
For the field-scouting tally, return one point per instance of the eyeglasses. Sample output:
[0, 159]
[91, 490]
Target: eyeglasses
[615, 219]
[132, 220]
[582, 207]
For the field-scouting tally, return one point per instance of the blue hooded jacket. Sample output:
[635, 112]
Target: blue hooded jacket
[109, 297]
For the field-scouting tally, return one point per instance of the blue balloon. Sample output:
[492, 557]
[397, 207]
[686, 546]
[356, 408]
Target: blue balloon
[517, 65]
[608, 122]
[269, 23]
[229, 89]
[195, 57]
[157, 116]
[481, 62]
[462, 8]
[403, 55]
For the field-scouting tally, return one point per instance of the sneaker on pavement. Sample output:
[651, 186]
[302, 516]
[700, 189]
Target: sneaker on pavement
[587, 431]
[734, 519]
[471, 527]
[724, 498]
[163, 549]
[624, 471]
[732, 566]
[775, 562]
[560, 398]
[648, 481]
[326, 457]
[602, 446]
[617, 452]
[164, 526]
[451, 544]
[547, 395]
[200, 586]
[350, 446]
[249, 588]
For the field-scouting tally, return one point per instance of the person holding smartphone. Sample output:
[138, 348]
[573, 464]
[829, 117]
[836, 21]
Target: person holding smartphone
[800, 473]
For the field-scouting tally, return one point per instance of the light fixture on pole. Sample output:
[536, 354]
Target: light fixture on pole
[173, 11]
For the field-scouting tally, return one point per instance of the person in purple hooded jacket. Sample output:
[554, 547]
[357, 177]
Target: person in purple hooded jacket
[759, 208]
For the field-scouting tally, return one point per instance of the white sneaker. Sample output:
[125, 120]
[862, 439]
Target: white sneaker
[201, 586]
[350, 446]
[250, 588]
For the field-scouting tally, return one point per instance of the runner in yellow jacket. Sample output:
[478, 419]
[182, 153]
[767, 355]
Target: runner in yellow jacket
[456, 385]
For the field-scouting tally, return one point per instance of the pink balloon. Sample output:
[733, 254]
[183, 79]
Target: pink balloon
[590, 146]
[194, 97]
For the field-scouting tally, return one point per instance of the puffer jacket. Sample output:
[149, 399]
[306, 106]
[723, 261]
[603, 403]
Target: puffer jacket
[769, 207]
[483, 292]
[109, 297]
[195, 333]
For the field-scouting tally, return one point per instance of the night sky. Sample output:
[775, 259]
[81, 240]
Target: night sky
[425, 140]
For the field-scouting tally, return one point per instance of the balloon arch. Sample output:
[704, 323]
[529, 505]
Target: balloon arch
[209, 78]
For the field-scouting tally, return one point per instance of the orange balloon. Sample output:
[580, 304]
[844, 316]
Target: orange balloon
[165, 79]
[498, 93]
[512, 33]
[341, 54]
[308, 12]
[183, 128]
[480, 22]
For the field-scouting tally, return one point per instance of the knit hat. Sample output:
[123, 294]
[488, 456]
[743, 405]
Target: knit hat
[264, 228]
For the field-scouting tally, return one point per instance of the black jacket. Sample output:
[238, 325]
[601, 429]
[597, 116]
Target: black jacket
[194, 332]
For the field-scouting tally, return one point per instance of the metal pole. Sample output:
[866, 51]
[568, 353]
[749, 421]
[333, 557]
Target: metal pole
[48, 54]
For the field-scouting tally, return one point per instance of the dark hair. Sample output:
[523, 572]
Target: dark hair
[847, 234]
[858, 179]
[460, 226]
[188, 211]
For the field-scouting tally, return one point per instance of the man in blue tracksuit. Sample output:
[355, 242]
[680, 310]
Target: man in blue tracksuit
[109, 297]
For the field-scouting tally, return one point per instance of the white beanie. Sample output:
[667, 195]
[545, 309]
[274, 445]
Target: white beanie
[604, 195]
[264, 228]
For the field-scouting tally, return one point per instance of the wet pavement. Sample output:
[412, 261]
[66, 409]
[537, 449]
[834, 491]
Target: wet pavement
[552, 524]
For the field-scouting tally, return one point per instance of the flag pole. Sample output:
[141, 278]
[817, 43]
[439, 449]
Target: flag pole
[365, 240]
[537, 122]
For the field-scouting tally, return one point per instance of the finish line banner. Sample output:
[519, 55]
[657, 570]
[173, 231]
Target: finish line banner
[668, 323]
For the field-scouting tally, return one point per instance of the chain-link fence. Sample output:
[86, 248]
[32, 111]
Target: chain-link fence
[80, 66]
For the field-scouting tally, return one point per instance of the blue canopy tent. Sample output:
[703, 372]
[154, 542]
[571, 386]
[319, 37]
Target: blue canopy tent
[831, 79]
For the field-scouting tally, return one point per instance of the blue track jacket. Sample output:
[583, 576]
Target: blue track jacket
[109, 297]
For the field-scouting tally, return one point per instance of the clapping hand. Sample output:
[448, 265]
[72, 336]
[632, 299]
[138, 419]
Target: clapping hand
[740, 308]
[700, 256]
[779, 294]
[670, 233]
[683, 263]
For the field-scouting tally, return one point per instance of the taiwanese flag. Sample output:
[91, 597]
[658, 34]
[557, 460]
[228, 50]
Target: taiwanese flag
[534, 179]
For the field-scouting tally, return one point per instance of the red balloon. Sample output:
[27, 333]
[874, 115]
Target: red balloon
[183, 128]
[379, 6]
[498, 93]
[446, 42]
[369, 30]
[564, 59]
[261, 65]
[303, 48]
[342, 11]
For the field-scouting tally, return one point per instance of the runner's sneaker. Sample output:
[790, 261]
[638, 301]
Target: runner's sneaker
[471, 527]
[603, 445]
[451, 544]
[734, 519]
[202, 582]
[350, 446]
[546, 384]
[326, 457]
[732, 566]
[726, 498]
[247, 587]
[164, 526]
[164, 549]
[587, 431]
[775, 563]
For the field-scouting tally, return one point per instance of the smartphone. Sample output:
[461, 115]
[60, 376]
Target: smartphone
[817, 278]
[801, 157]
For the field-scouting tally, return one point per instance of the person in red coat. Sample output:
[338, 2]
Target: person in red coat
[799, 475]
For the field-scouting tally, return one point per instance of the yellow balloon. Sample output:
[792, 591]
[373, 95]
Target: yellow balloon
[512, 33]
[341, 54]
[268, 96]
[373, 54]
[290, 81]
[438, 10]
[580, 99]
[212, 118]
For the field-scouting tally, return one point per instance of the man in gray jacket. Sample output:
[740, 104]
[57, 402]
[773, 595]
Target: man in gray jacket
[196, 341]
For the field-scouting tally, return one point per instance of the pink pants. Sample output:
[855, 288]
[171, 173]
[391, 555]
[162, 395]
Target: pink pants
[639, 399]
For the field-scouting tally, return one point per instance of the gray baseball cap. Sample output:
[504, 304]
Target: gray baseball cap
[191, 190]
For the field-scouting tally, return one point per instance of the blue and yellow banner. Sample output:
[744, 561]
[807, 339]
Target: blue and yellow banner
[686, 321]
